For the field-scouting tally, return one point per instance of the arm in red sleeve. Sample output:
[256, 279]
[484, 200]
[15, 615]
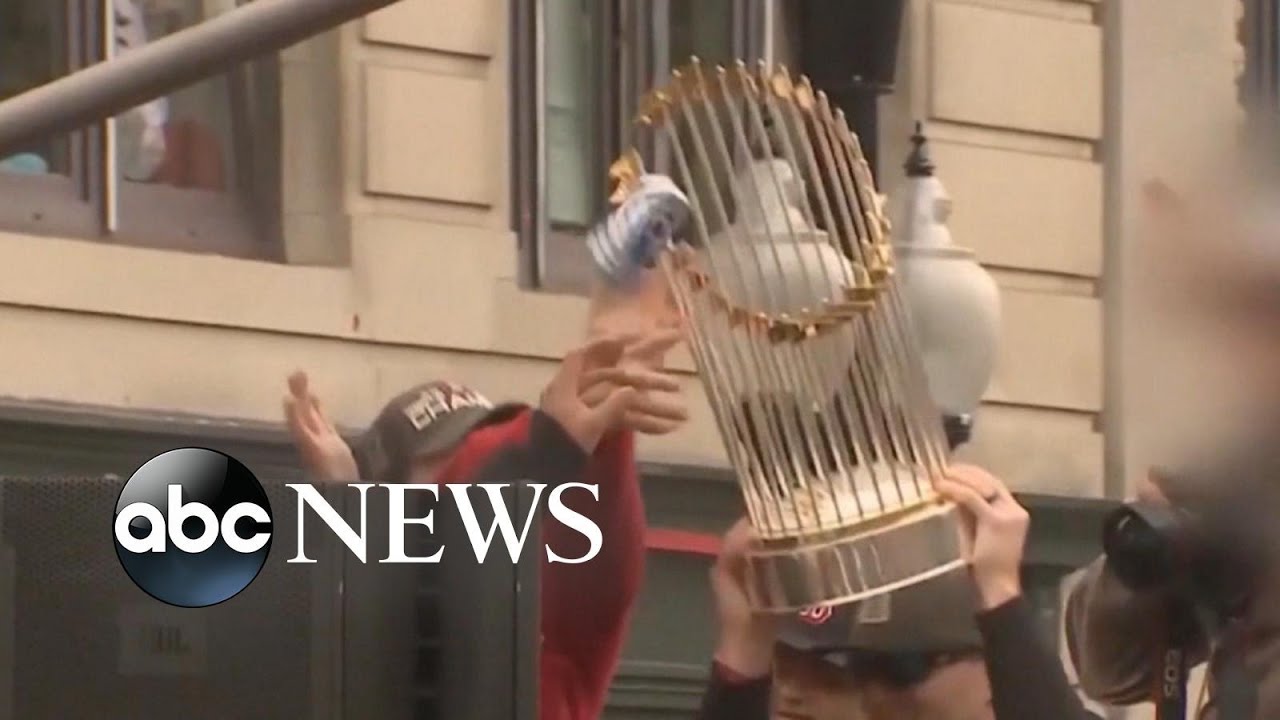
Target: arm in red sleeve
[587, 607]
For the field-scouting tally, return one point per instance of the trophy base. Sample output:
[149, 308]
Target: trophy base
[900, 550]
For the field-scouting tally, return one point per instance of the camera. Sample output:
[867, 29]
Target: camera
[1206, 548]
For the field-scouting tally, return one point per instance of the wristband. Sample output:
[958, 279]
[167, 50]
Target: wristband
[729, 676]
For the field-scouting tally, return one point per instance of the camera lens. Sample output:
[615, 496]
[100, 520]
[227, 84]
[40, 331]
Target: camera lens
[1139, 542]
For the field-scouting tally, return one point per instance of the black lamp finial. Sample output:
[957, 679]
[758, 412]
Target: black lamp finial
[918, 163]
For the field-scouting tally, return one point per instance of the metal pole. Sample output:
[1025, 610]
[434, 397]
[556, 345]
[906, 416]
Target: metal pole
[168, 64]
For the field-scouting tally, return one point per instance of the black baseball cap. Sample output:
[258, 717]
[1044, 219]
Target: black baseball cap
[426, 421]
[936, 616]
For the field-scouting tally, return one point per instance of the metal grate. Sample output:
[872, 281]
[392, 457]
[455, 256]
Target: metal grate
[87, 643]
[429, 626]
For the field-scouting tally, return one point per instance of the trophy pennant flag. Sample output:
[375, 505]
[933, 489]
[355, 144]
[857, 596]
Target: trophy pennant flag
[774, 243]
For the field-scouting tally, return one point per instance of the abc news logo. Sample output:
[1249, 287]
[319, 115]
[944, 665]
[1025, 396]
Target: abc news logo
[193, 526]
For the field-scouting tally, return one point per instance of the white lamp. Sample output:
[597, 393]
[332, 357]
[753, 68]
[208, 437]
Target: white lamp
[953, 302]
[774, 261]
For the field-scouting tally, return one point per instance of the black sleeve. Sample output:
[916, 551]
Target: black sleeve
[554, 456]
[1027, 678]
[735, 701]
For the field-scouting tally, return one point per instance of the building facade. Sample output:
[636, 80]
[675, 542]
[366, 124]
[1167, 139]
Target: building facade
[402, 199]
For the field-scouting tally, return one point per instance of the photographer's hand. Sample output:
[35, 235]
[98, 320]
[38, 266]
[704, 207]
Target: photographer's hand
[1149, 492]
[997, 527]
[746, 637]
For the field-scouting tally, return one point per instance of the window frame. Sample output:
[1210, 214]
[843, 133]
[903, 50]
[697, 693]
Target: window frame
[89, 202]
[1260, 36]
[54, 203]
[636, 27]
[558, 237]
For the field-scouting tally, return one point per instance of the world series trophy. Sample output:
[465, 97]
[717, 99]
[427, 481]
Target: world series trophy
[774, 243]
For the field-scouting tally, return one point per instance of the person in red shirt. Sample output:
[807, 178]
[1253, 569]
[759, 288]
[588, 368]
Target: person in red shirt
[584, 427]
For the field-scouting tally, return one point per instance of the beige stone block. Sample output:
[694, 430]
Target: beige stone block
[1026, 211]
[239, 374]
[407, 282]
[1014, 70]
[308, 50]
[316, 239]
[427, 136]
[311, 171]
[1074, 10]
[1037, 450]
[427, 283]
[1050, 352]
[468, 27]
[401, 264]
[78, 277]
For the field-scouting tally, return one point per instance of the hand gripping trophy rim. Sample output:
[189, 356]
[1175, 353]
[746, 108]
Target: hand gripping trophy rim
[787, 287]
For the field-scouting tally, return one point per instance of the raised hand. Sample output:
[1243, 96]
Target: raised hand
[325, 455]
[658, 407]
[563, 400]
[1149, 490]
[746, 637]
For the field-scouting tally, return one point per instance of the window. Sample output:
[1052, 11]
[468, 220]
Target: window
[589, 61]
[195, 170]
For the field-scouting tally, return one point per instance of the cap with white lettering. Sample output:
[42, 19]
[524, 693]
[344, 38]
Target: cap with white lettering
[426, 421]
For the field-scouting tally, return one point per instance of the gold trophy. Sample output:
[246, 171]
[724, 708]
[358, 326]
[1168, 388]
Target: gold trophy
[785, 277]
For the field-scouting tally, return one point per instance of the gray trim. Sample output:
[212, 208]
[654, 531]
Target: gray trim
[1260, 82]
[655, 687]
[63, 415]
[93, 440]
[537, 235]
[8, 627]
[526, 198]
[757, 21]
[741, 38]
[1111, 152]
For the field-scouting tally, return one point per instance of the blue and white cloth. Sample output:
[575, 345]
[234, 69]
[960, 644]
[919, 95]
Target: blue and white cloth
[631, 238]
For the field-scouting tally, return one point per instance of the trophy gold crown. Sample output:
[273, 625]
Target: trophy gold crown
[785, 277]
